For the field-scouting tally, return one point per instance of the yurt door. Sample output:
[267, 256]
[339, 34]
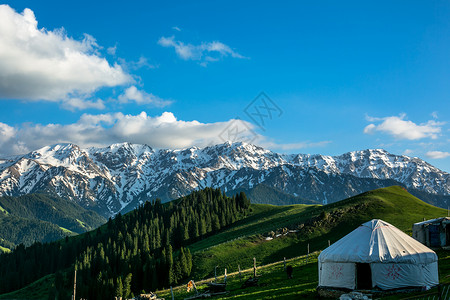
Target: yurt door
[363, 277]
[435, 237]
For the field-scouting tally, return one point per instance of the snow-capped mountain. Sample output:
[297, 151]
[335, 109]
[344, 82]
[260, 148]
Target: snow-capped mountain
[123, 175]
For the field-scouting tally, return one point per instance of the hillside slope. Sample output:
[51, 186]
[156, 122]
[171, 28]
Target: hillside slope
[314, 225]
[42, 218]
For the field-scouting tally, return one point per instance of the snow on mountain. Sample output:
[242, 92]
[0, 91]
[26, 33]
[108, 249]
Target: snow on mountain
[123, 175]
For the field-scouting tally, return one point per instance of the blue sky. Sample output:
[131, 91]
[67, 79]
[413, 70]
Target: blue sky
[336, 76]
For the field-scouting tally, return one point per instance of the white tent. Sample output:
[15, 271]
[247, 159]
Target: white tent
[377, 254]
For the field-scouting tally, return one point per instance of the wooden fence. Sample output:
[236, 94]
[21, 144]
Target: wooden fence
[442, 293]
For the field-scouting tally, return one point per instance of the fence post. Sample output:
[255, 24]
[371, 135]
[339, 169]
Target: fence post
[284, 260]
[75, 284]
[254, 267]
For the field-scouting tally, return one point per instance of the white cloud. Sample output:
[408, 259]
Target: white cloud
[8, 140]
[205, 52]
[6, 132]
[41, 64]
[408, 152]
[404, 129]
[81, 104]
[112, 50]
[369, 129]
[437, 154]
[176, 28]
[142, 62]
[372, 119]
[141, 97]
[164, 131]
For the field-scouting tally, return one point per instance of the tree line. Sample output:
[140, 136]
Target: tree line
[141, 251]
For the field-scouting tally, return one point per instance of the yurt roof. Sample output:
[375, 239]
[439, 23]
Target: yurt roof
[438, 220]
[378, 241]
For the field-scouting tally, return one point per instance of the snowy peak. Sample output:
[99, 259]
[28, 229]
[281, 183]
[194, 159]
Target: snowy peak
[58, 154]
[123, 175]
[120, 155]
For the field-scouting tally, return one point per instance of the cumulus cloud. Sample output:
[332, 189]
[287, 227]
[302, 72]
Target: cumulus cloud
[141, 97]
[6, 132]
[41, 64]
[403, 129]
[204, 53]
[164, 131]
[8, 140]
[437, 154]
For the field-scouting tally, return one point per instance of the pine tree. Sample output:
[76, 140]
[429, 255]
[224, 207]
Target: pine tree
[127, 286]
[170, 267]
[188, 261]
[183, 263]
[203, 227]
[119, 287]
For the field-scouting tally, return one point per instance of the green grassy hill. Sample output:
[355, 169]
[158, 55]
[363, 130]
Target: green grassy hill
[274, 284]
[308, 224]
[315, 225]
[264, 194]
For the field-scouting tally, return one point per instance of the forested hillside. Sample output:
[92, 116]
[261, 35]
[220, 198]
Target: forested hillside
[43, 218]
[142, 250]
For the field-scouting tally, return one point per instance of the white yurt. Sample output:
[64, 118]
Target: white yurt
[377, 254]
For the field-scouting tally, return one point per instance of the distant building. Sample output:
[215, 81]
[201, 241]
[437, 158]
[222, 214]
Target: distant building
[433, 233]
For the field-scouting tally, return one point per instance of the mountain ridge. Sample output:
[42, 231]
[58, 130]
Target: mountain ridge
[111, 178]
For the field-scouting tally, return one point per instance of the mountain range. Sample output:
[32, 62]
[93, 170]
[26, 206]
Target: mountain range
[119, 177]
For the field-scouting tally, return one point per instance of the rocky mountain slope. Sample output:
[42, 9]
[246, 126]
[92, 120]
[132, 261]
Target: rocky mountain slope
[119, 177]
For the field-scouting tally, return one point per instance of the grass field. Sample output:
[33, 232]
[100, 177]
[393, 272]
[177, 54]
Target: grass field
[274, 283]
[37, 290]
